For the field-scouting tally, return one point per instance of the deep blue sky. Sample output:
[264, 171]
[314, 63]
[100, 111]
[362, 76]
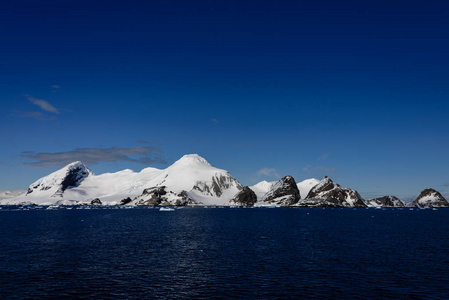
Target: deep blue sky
[357, 90]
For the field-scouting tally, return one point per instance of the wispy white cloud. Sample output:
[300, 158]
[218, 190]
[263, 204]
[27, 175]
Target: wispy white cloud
[323, 157]
[37, 115]
[270, 172]
[92, 156]
[43, 104]
[215, 121]
[55, 86]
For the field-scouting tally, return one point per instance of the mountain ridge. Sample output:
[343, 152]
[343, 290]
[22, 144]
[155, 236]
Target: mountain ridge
[192, 180]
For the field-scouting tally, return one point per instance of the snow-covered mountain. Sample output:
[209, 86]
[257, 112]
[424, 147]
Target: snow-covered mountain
[328, 193]
[429, 198]
[190, 180]
[261, 188]
[193, 181]
[385, 201]
[55, 184]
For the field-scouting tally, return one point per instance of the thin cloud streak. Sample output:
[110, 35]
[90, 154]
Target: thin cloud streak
[270, 172]
[43, 104]
[92, 156]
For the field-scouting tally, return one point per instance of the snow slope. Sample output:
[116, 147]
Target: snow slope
[306, 185]
[11, 194]
[261, 188]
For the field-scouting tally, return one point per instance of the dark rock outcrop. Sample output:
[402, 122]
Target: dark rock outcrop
[96, 201]
[159, 196]
[327, 193]
[153, 195]
[125, 201]
[246, 197]
[386, 201]
[73, 178]
[284, 192]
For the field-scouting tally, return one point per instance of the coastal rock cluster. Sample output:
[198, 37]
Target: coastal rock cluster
[192, 181]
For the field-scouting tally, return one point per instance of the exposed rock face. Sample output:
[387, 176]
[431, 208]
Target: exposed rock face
[430, 198]
[96, 201]
[386, 201]
[152, 196]
[328, 193]
[219, 184]
[246, 197]
[125, 201]
[284, 192]
[159, 196]
[72, 179]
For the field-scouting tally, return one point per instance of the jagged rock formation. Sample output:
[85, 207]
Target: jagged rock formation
[219, 183]
[160, 196]
[327, 193]
[96, 201]
[284, 192]
[125, 201]
[430, 198]
[385, 201]
[246, 197]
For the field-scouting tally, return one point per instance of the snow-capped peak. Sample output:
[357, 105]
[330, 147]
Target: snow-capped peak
[430, 198]
[58, 181]
[192, 159]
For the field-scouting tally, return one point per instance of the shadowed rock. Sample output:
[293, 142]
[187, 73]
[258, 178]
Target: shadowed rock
[284, 192]
[246, 197]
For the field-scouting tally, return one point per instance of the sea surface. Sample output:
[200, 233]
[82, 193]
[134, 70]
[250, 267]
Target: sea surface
[224, 253]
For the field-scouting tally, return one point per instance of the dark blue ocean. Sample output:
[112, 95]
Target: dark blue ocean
[222, 253]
